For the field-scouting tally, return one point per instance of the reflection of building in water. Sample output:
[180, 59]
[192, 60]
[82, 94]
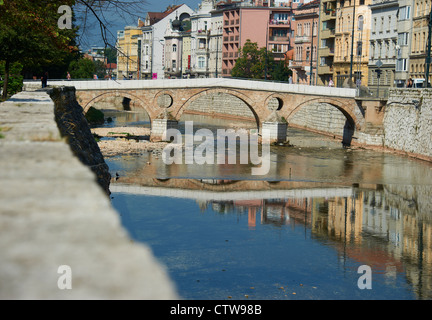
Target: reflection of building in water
[366, 227]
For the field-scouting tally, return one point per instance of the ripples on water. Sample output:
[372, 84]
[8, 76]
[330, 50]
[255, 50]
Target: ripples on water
[301, 232]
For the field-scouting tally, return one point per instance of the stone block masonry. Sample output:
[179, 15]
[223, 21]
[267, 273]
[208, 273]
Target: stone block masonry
[408, 122]
[54, 213]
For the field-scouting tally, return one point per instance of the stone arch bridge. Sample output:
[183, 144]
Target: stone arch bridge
[168, 99]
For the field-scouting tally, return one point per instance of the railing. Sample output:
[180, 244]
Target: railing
[279, 38]
[286, 24]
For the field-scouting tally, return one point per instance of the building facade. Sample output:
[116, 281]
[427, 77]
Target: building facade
[200, 40]
[141, 49]
[351, 58]
[420, 12]
[128, 52]
[384, 42]
[326, 42]
[305, 43]
[268, 23]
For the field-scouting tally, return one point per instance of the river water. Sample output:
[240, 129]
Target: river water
[324, 223]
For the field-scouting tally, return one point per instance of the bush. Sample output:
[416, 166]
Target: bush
[94, 116]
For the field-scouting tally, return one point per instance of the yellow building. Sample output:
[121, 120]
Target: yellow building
[419, 38]
[129, 52]
[186, 55]
[351, 56]
[326, 42]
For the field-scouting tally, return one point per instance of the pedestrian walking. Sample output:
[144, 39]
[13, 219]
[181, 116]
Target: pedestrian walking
[44, 80]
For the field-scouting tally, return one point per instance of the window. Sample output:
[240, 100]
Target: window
[403, 39]
[404, 13]
[201, 62]
[174, 48]
[299, 30]
[202, 43]
[360, 23]
[322, 61]
[359, 48]
[174, 64]
[323, 43]
[401, 65]
[281, 16]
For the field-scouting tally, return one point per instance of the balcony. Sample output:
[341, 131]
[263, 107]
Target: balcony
[326, 52]
[302, 39]
[325, 69]
[279, 39]
[329, 14]
[327, 33]
[297, 64]
[282, 24]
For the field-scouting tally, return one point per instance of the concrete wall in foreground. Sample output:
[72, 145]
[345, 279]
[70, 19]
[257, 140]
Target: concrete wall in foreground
[53, 213]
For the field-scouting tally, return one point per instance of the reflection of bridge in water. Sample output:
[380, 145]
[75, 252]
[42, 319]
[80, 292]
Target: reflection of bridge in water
[209, 195]
[368, 226]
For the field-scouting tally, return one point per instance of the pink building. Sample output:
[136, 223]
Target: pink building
[268, 23]
[305, 43]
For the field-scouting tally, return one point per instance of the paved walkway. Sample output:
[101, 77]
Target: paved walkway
[53, 214]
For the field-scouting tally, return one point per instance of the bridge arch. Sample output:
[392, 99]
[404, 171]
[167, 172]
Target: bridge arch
[256, 110]
[125, 94]
[348, 110]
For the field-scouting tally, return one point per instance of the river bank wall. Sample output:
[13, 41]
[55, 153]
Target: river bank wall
[60, 238]
[408, 122]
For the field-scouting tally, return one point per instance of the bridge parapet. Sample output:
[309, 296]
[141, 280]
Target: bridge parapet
[200, 83]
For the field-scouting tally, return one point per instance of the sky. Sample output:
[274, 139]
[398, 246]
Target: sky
[92, 36]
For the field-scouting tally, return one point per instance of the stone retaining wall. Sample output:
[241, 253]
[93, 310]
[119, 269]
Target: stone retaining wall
[53, 214]
[408, 122]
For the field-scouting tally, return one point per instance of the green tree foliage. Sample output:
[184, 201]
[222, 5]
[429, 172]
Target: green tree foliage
[15, 78]
[86, 69]
[82, 69]
[258, 63]
[279, 71]
[251, 63]
[111, 55]
[29, 34]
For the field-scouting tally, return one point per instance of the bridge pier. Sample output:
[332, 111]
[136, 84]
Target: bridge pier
[278, 131]
[277, 127]
[159, 128]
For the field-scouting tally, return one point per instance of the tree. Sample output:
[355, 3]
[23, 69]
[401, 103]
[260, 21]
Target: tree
[251, 62]
[259, 63]
[82, 69]
[29, 34]
[111, 55]
[280, 71]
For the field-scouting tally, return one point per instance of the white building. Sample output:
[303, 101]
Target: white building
[153, 47]
[215, 44]
[177, 46]
[200, 38]
[384, 44]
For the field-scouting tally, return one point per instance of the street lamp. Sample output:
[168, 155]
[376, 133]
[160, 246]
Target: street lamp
[217, 50]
